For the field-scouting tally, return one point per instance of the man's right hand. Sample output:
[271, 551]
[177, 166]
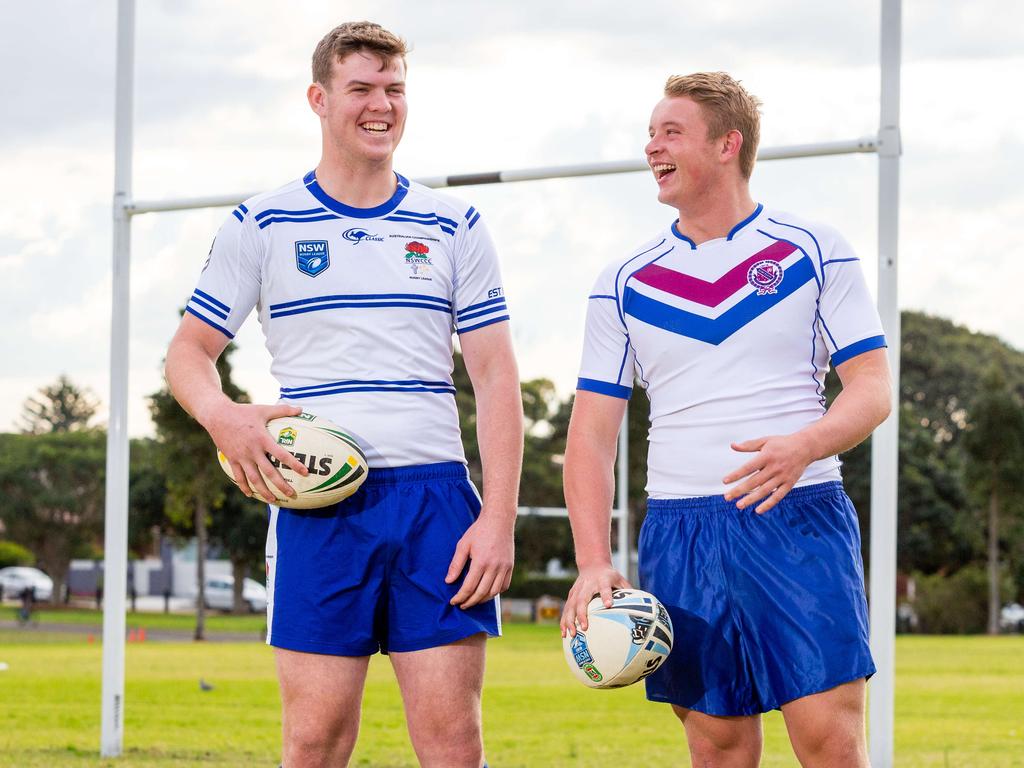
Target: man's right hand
[239, 430]
[593, 580]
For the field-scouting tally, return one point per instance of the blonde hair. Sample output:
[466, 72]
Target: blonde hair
[726, 105]
[352, 37]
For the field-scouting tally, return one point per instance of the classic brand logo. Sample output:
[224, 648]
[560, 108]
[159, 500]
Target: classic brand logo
[358, 235]
[765, 275]
[312, 256]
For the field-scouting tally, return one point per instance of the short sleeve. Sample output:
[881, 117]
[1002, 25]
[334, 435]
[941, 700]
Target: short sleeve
[849, 316]
[479, 296]
[229, 286]
[607, 365]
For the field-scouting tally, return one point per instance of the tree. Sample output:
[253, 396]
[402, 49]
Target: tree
[196, 485]
[995, 442]
[53, 491]
[60, 407]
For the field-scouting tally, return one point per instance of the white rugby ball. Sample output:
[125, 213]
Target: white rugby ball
[336, 464]
[622, 644]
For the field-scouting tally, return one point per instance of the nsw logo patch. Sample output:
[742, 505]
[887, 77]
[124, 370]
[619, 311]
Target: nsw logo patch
[312, 256]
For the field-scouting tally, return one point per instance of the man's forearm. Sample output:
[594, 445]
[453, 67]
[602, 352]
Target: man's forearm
[862, 405]
[194, 381]
[589, 490]
[500, 436]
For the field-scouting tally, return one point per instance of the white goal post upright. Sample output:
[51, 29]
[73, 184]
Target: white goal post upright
[884, 450]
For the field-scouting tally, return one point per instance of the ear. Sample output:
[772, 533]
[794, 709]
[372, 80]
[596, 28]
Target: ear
[731, 143]
[317, 98]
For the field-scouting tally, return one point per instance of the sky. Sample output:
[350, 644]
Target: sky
[220, 109]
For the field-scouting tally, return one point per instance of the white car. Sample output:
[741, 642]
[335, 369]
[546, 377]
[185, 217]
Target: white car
[220, 594]
[17, 578]
[1012, 617]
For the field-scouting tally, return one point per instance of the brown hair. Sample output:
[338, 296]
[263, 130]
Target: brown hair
[352, 37]
[726, 106]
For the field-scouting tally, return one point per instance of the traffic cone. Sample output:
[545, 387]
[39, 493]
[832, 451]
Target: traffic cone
[142, 634]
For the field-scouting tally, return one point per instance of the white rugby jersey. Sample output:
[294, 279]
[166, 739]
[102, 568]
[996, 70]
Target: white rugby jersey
[731, 339]
[358, 306]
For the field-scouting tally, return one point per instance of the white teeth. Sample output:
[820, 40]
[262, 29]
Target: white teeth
[381, 127]
[662, 168]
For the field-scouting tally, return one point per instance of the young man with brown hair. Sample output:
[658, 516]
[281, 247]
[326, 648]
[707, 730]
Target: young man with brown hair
[360, 277]
[730, 318]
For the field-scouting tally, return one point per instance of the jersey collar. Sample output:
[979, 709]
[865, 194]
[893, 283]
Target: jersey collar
[732, 232]
[401, 190]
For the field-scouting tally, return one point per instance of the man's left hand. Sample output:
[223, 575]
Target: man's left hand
[772, 473]
[489, 547]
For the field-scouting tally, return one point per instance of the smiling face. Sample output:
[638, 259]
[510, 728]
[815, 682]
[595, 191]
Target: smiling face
[362, 109]
[686, 163]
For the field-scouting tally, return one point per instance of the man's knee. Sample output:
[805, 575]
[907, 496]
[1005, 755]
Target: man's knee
[460, 738]
[320, 740]
[716, 741]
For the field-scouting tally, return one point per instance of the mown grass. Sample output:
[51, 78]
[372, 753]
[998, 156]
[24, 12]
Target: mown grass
[185, 622]
[960, 702]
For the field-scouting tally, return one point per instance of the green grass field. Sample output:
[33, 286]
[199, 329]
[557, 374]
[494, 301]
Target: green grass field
[960, 703]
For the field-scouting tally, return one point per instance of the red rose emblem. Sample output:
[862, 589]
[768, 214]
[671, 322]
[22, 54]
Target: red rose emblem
[415, 247]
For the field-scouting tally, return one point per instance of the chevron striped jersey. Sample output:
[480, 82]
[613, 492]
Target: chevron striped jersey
[358, 307]
[731, 340]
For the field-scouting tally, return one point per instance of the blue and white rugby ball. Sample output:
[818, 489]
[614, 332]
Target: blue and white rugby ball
[623, 644]
[336, 464]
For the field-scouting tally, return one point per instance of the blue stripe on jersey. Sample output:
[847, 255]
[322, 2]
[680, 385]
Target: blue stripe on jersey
[208, 307]
[838, 261]
[469, 213]
[603, 388]
[285, 212]
[618, 305]
[352, 305]
[807, 232]
[449, 222]
[356, 296]
[210, 323]
[242, 206]
[212, 300]
[600, 296]
[474, 220]
[715, 330]
[481, 325]
[430, 222]
[857, 348]
[489, 311]
[681, 236]
[355, 387]
[267, 222]
[471, 307]
[237, 215]
[390, 382]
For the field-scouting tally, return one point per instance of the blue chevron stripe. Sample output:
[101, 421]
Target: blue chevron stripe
[715, 330]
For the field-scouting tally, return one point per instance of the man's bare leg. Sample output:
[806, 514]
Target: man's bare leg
[721, 742]
[441, 689]
[827, 729]
[320, 703]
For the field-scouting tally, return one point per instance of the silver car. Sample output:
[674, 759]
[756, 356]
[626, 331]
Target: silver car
[220, 594]
[15, 579]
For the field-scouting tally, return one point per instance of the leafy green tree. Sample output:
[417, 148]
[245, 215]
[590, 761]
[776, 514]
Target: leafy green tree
[14, 554]
[994, 441]
[196, 485]
[53, 491]
[59, 407]
[147, 496]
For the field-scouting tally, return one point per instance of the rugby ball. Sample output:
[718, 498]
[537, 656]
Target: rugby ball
[336, 464]
[622, 644]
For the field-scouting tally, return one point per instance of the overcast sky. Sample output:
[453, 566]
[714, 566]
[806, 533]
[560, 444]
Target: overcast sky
[220, 108]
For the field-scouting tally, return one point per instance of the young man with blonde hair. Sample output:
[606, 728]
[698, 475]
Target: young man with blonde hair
[730, 318]
[360, 277]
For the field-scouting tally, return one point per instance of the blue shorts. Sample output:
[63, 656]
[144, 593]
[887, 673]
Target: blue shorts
[367, 574]
[765, 608]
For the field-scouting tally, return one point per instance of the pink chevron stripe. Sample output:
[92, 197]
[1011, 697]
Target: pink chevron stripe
[702, 292]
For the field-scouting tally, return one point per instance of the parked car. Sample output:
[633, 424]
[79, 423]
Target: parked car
[220, 594]
[1011, 618]
[15, 579]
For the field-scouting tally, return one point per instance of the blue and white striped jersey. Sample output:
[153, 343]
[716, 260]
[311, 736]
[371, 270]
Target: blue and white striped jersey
[358, 307]
[731, 339]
